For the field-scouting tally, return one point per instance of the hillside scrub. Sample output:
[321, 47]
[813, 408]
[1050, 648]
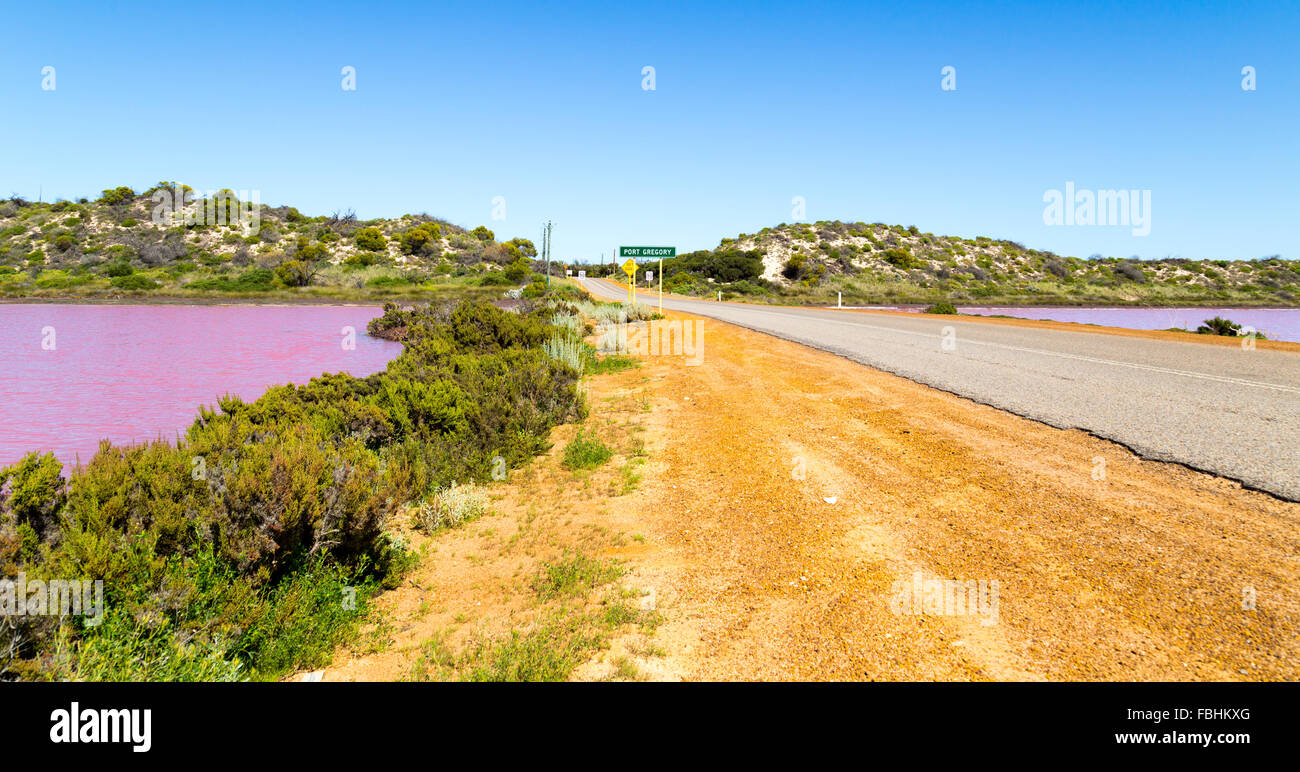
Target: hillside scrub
[876, 263]
[231, 553]
[203, 247]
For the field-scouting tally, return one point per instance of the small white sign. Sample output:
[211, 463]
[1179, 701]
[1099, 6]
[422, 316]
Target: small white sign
[649, 276]
[568, 272]
[582, 274]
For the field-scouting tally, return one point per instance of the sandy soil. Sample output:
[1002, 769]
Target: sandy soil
[790, 499]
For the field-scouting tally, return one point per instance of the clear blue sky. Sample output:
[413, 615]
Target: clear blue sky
[755, 104]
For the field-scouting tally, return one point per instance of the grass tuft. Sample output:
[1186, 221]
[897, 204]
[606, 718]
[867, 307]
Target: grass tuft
[585, 452]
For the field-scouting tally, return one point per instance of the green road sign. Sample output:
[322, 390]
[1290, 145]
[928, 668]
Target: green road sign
[647, 251]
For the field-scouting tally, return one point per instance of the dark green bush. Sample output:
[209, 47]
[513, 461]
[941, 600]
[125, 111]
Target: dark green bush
[114, 196]
[227, 555]
[725, 265]
[497, 279]
[118, 268]
[901, 258]
[361, 260]
[518, 271]
[420, 239]
[370, 239]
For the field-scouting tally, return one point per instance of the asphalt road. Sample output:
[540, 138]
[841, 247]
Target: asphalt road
[1218, 409]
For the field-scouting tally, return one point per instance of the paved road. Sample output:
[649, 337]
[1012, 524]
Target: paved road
[1218, 409]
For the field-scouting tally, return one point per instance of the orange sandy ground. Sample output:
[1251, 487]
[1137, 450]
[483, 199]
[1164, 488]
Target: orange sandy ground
[1148, 573]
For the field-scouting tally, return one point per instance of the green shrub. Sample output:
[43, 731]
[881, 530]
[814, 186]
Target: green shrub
[901, 258]
[115, 196]
[370, 239]
[294, 273]
[1219, 326]
[518, 271]
[134, 282]
[389, 281]
[420, 239]
[254, 280]
[496, 279]
[584, 452]
[361, 260]
[118, 268]
[942, 307]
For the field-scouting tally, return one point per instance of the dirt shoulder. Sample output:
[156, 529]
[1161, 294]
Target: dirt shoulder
[793, 515]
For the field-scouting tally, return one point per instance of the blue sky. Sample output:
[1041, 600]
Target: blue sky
[755, 104]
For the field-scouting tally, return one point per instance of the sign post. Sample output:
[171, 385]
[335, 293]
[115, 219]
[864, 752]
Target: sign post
[629, 268]
[634, 252]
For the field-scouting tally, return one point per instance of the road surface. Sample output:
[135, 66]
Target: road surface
[1218, 409]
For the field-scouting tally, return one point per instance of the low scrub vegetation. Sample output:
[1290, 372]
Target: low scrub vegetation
[878, 263]
[585, 452]
[249, 547]
[451, 507]
[1220, 326]
[221, 246]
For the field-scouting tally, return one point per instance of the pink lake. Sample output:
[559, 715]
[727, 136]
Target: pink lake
[131, 373]
[1276, 323]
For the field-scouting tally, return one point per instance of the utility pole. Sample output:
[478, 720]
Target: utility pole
[547, 242]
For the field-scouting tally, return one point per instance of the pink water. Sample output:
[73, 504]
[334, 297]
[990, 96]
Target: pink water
[1276, 323]
[130, 373]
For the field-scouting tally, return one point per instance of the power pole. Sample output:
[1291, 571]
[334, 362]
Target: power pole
[548, 253]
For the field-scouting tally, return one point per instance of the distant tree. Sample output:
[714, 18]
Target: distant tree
[309, 251]
[483, 234]
[295, 273]
[526, 247]
[115, 196]
[519, 270]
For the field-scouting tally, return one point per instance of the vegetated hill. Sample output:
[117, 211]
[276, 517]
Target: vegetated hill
[113, 246]
[878, 263]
